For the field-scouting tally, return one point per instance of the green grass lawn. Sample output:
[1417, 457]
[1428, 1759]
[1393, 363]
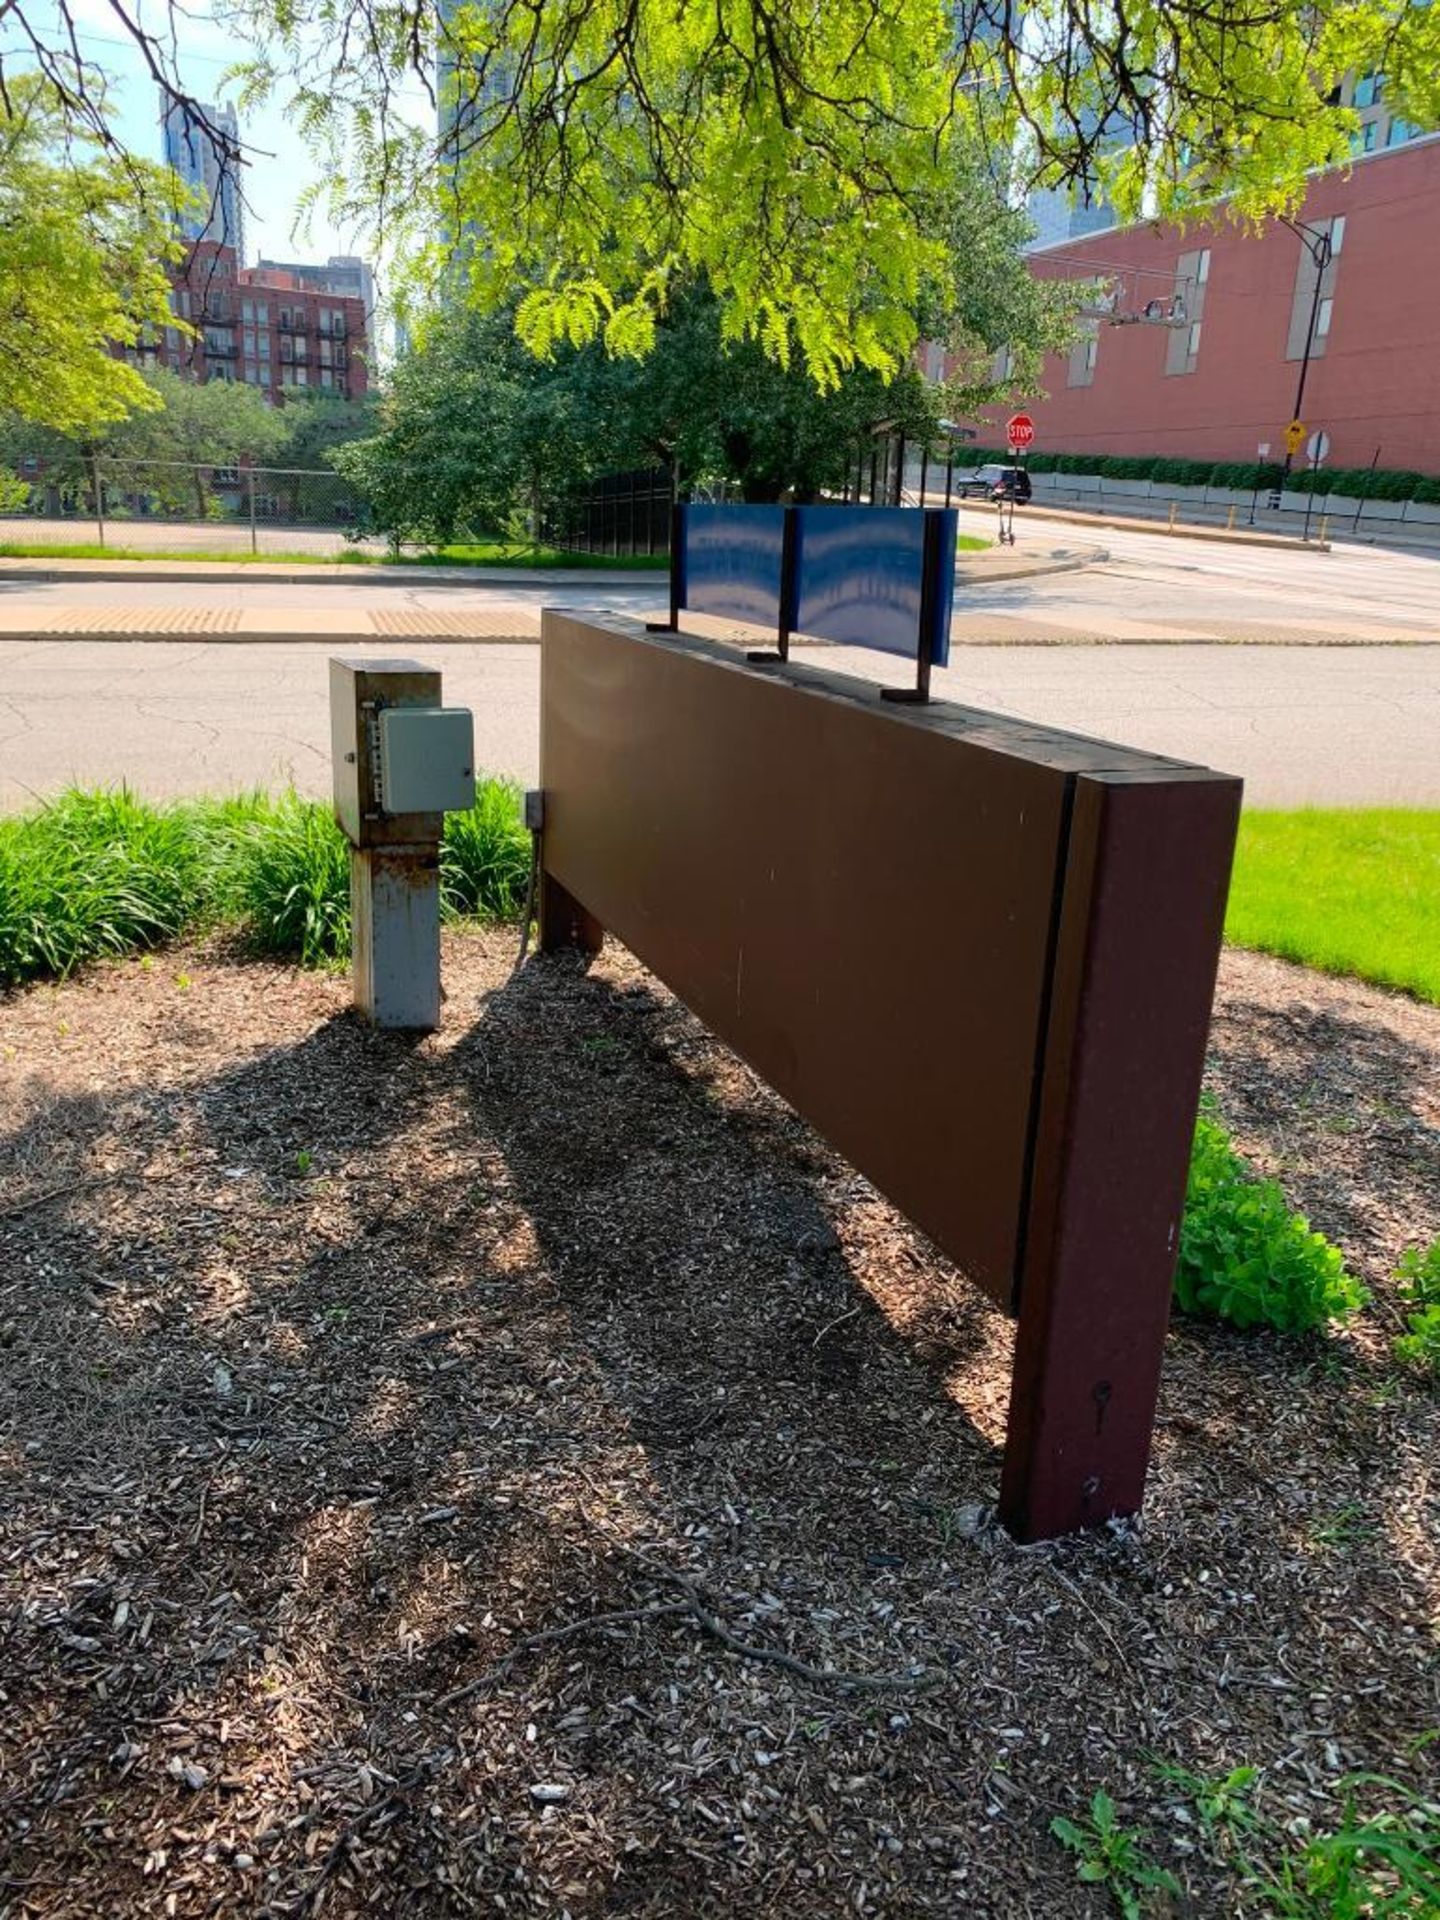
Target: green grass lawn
[489, 553]
[1347, 891]
[482, 553]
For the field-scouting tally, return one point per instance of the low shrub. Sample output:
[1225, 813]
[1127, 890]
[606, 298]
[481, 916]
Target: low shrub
[1360, 483]
[1182, 473]
[1418, 1275]
[1137, 467]
[1245, 1257]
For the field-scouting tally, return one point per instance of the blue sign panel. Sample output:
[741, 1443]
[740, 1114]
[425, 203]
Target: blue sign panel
[731, 562]
[860, 577]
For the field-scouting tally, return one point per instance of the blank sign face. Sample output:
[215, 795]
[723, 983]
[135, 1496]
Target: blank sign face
[730, 560]
[860, 574]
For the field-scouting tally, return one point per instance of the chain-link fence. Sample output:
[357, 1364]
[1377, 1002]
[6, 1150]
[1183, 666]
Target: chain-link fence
[119, 502]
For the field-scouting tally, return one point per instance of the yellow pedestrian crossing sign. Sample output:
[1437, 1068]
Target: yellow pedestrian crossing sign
[1295, 433]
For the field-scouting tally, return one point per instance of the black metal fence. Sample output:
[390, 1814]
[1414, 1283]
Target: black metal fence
[619, 513]
[629, 513]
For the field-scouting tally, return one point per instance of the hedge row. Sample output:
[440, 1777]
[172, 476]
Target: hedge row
[1240, 476]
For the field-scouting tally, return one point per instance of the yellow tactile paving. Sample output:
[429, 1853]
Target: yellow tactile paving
[498, 623]
[133, 620]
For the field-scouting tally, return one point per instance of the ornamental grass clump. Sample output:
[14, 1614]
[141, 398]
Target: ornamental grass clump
[485, 856]
[283, 871]
[94, 874]
[97, 874]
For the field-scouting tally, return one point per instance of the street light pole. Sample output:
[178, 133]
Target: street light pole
[1317, 243]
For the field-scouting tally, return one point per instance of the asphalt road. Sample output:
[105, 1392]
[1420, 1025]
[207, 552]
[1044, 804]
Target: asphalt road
[1304, 723]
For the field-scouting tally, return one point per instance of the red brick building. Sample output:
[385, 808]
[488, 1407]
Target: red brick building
[1221, 385]
[260, 326]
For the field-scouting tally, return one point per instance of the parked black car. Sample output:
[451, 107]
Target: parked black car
[994, 482]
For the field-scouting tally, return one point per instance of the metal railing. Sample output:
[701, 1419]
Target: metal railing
[619, 513]
[236, 505]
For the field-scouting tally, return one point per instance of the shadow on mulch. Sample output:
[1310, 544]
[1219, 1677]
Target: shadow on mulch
[1326, 1082]
[374, 1358]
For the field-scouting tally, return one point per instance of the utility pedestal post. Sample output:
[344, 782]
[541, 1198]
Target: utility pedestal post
[401, 762]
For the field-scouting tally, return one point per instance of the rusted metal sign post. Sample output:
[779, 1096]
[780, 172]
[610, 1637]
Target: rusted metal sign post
[978, 955]
[401, 761]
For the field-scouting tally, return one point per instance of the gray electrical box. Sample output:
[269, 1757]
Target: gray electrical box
[427, 759]
[360, 691]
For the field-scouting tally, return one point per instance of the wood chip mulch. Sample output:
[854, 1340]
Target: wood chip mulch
[524, 1472]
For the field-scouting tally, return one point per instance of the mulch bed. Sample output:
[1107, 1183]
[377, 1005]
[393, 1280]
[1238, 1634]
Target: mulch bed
[345, 1380]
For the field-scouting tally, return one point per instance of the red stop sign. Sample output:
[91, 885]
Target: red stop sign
[1020, 431]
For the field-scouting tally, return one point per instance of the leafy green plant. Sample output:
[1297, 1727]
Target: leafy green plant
[1245, 1257]
[1111, 1856]
[1224, 1803]
[1380, 1861]
[1418, 1275]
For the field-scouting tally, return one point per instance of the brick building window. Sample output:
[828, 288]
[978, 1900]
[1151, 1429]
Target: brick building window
[1083, 355]
[1192, 277]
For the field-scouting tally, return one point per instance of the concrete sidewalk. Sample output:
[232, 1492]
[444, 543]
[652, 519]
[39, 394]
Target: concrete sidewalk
[1103, 521]
[993, 567]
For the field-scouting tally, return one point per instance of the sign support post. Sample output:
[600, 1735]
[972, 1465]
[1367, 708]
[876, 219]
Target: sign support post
[400, 763]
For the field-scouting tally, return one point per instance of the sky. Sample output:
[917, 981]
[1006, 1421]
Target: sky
[281, 166]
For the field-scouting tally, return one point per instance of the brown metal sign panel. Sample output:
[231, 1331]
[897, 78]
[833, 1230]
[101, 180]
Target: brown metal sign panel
[1137, 947]
[977, 954]
[859, 906]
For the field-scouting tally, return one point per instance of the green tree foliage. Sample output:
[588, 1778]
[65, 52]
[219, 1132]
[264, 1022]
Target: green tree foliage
[179, 430]
[195, 427]
[467, 434]
[604, 152]
[314, 424]
[476, 431]
[84, 237]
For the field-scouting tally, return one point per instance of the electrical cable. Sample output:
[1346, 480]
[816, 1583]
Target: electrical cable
[530, 893]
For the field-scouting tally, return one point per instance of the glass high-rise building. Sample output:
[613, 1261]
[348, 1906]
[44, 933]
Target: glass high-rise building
[210, 166]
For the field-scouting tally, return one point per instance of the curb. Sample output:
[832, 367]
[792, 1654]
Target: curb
[1073, 563]
[180, 638]
[1001, 643]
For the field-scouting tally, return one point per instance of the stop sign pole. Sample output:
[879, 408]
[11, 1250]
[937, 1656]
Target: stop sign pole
[1019, 437]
